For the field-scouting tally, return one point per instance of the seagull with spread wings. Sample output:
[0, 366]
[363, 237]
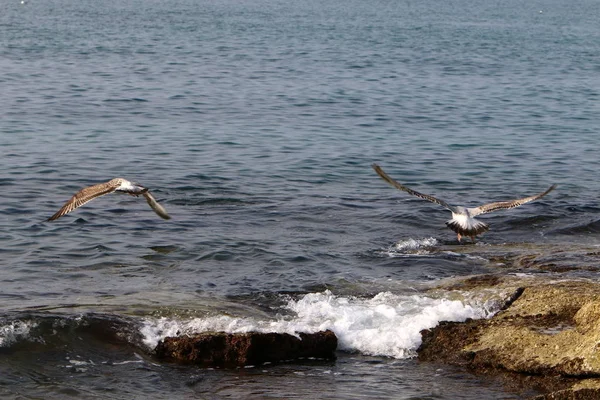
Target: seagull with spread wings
[463, 220]
[114, 185]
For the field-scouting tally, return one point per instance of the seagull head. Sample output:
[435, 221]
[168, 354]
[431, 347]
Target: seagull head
[139, 188]
[460, 210]
[132, 188]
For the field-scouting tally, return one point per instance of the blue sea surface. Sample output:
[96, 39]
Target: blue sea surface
[255, 124]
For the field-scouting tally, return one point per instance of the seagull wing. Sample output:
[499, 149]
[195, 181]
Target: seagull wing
[84, 196]
[504, 205]
[158, 209]
[397, 185]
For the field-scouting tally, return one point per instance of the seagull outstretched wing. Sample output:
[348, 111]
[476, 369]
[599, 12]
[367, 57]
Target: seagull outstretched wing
[504, 205]
[84, 196]
[397, 185]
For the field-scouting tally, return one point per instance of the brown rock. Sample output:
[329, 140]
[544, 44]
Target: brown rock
[219, 349]
[551, 330]
[588, 389]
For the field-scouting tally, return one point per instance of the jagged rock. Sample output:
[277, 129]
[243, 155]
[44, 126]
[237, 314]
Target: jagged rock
[219, 349]
[550, 330]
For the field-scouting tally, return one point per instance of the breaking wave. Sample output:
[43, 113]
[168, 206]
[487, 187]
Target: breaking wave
[384, 325]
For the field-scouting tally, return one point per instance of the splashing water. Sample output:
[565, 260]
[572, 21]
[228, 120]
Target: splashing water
[385, 325]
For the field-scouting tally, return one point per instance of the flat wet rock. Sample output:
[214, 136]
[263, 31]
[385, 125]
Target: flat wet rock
[219, 349]
[550, 330]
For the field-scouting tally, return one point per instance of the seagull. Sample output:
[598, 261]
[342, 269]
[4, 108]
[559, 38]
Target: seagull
[114, 185]
[463, 221]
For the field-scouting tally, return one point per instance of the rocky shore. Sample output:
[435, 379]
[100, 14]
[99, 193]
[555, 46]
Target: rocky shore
[545, 339]
[547, 336]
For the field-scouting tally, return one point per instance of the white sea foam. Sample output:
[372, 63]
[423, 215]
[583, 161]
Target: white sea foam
[15, 330]
[79, 363]
[384, 325]
[412, 247]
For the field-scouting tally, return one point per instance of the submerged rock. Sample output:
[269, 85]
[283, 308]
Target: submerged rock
[549, 330]
[219, 349]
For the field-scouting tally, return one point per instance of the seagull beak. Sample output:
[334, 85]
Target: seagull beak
[141, 188]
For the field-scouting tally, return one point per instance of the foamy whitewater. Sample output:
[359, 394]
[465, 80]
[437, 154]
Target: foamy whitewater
[412, 247]
[13, 331]
[385, 325]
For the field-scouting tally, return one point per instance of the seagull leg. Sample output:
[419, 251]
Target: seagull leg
[459, 237]
[473, 238]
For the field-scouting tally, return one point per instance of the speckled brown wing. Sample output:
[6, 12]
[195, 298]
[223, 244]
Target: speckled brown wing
[84, 196]
[397, 185]
[504, 205]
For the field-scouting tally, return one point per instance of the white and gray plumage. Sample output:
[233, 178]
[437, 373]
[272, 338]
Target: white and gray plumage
[463, 221]
[88, 194]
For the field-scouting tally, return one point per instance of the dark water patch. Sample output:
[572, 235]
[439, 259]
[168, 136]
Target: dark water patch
[157, 256]
[18, 211]
[7, 181]
[221, 255]
[133, 99]
[442, 183]
[299, 259]
[534, 222]
[118, 211]
[584, 209]
[48, 249]
[463, 146]
[591, 227]
[88, 252]
[165, 249]
[211, 201]
[358, 205]
[41, 263]
[200, 177]
[13, 296]
[123, 269]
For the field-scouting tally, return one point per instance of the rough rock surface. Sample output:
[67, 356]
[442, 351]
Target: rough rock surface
[549, 330]
[219, 349]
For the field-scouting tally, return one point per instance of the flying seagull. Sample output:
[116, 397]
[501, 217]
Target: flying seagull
[463, 221]
[114, 185]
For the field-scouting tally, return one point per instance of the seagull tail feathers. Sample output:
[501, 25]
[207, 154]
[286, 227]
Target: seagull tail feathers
[471, 227]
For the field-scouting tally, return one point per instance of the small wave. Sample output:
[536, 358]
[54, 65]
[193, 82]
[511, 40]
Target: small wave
[53, 330]
[588, 227]
[412, 247]
[385, 325]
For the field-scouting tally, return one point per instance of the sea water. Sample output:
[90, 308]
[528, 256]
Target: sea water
[255, 124]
